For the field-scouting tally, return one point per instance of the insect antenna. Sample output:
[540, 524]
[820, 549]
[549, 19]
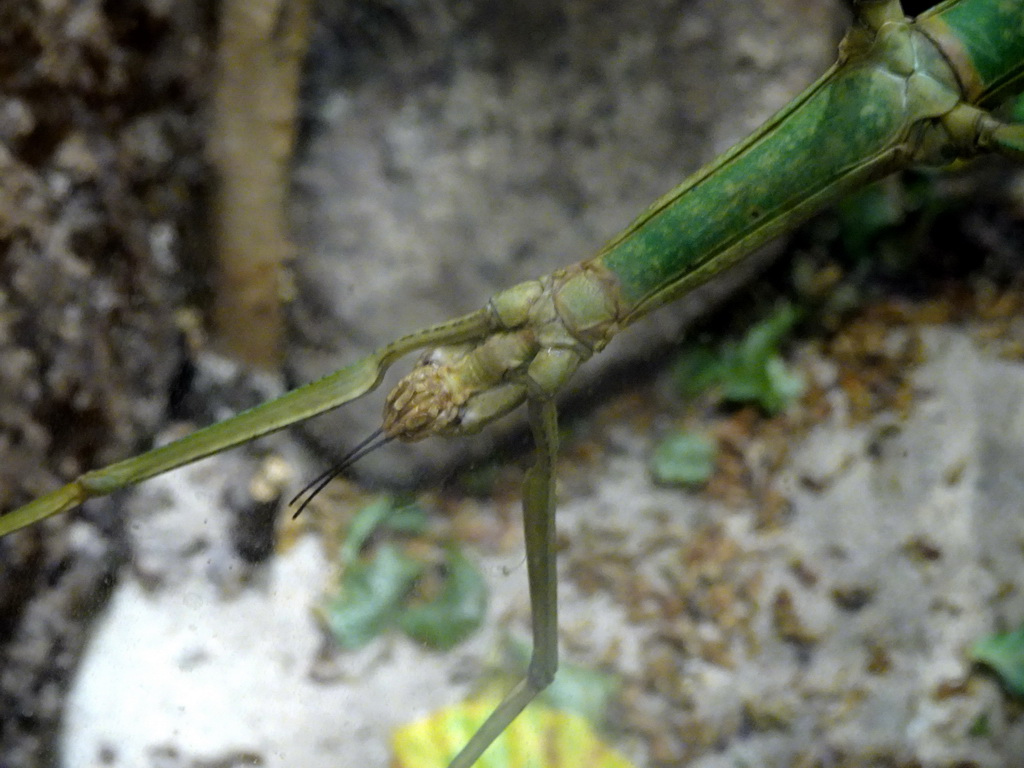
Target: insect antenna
[376, 440]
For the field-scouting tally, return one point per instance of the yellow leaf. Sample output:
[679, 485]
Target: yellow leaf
[541, 737]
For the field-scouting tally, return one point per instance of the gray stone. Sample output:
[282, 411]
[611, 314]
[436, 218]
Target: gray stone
[100, 199]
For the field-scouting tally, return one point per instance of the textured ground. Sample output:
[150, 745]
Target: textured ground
[831, 633]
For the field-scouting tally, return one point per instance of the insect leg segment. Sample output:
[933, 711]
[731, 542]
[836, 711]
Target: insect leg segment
[539, 528]
[967, 131]
[1004, 138]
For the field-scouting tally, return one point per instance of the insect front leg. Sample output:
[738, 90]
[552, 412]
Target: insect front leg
[967, 130]
[539, 525]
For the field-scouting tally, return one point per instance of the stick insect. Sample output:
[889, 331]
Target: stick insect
[903, 92]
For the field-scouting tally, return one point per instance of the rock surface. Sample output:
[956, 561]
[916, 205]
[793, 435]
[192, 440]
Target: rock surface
[101, 184]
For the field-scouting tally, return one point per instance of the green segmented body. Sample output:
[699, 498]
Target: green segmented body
[859, 122]
[984, 40]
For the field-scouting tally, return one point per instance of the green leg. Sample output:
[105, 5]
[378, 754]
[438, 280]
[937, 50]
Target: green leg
[975, 130]
[1008, 139]
[539, 524]
[993, 135]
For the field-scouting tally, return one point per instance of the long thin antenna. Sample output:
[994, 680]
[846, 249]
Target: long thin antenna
[318, 483]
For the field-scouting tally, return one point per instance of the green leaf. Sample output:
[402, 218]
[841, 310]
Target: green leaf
[756, 373]
[586, 692]
[385, 511]
[540, 736]
[374, 591]
[371, 596]
[1004, 655]
[456, 613]
[408, 518]
[685, 458]
[576, 688]
[366, 521]
[748, 371]
[772, 385]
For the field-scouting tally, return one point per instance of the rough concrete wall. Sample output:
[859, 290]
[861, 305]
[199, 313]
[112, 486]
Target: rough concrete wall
[455, 149]
[100, 196]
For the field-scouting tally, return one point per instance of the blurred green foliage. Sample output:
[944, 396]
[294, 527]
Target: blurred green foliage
[376, 591]
[684, 458]
[748, 370]
[1004, 655]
